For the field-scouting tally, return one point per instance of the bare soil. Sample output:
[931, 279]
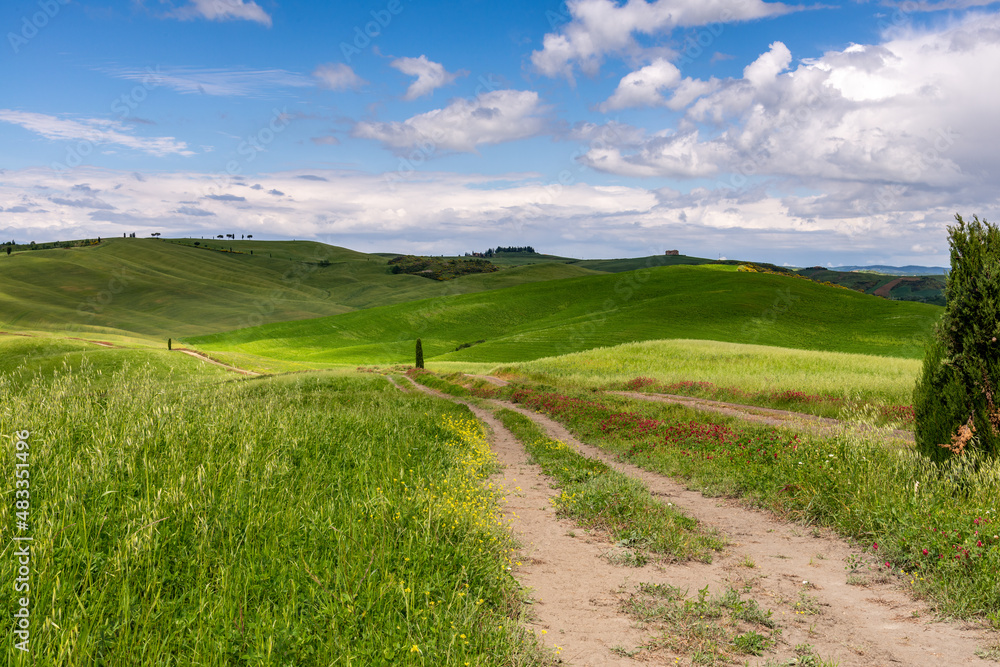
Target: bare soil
[797, 571]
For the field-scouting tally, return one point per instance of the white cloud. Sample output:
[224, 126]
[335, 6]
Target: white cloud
[490, 118]
[434, 212]
[338, 76]
[214, 81]
[647, 86]
[600, 27]
[430, 75]
[643, 88]
[224, 10]
[96, 131]
[916, 110]
[768, 66]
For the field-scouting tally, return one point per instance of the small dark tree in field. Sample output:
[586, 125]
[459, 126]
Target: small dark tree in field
[170, 344]
[955, 401]
[8, 250]
[420, 354]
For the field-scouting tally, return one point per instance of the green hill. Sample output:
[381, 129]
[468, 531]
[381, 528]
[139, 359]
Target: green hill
[536, 320]
[925, 288]
[173, 288]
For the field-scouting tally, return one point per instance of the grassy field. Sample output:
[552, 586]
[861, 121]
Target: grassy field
[537, 320]
[747, 368]
[277, 521]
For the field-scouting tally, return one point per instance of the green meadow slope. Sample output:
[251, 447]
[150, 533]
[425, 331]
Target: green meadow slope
[171, 288]
[537, 320]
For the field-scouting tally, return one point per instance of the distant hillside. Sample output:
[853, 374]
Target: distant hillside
[908, 270]
[543, 319]
[922, 288]
[174, 288]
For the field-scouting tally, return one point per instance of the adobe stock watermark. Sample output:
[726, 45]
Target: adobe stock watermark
[290, 280]
[899, 16]
[427, 147]
[248, 148]
[96, 304]
[753, 329]
[22, 540]
[31, 25]
[888, 195]
[365, 34]
[627, 284]
[122, 106]
[694, 46]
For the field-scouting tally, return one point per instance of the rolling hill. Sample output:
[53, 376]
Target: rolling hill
[173, 288]
[531, 321]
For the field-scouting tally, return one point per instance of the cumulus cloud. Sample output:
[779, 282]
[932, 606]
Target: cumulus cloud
[892, 113]
[430, 75]
[224, 10]
[95, 131]
[337, 76]
[768, 66]
[643, 88]
[601, 27]
[647, 87]
[490, 118]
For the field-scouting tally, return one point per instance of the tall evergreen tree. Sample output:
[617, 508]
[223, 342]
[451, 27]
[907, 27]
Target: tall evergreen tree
[420, 355]
[955, 401]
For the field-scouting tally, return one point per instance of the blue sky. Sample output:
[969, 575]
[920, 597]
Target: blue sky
[802, 134]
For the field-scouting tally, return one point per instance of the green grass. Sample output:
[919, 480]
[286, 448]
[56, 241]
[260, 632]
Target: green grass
[561, 316]
[171, 288]
[751, 369]
[927, 289]
[713, 629]
[933, 526]
[25, 359]
[600, 497]
[308, 520]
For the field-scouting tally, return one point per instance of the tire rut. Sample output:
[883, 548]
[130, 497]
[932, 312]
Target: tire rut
[876, 624]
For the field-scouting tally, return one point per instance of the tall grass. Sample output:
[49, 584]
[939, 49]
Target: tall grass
[319, 521]
[749, 368]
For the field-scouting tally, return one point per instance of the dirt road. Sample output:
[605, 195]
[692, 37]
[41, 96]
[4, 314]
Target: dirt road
[800, 573]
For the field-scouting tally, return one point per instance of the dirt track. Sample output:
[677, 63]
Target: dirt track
[770, 416]
[206, 358]
[781, 564]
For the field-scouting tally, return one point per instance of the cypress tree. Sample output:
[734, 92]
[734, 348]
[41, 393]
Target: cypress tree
[170, 343]
[420, 355]
[955, 401]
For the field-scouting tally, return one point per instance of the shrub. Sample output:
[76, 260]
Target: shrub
[955, 399]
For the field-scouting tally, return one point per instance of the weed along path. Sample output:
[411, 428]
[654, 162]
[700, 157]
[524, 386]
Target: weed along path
[754, 413]
[770, 416]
